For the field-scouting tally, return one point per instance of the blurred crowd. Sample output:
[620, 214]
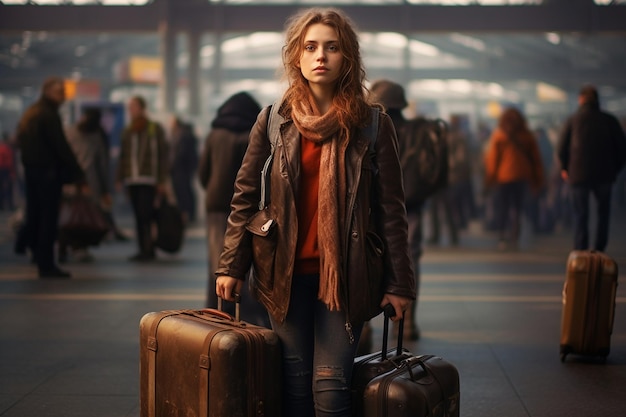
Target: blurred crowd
[503, 176]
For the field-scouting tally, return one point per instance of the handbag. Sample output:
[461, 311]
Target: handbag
[81, 222]
[170, 227]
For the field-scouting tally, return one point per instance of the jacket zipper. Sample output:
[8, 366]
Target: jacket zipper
[350, 209]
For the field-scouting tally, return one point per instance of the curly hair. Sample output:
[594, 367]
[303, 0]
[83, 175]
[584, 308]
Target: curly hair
[350, 97]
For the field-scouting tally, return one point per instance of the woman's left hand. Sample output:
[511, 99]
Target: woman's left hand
[398, 302]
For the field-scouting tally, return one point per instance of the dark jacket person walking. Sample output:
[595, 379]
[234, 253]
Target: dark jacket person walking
[592, 151]
[48, 164]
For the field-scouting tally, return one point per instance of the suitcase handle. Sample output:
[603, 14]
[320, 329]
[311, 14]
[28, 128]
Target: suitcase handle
[237, 308]
[217, 313]
[420, 360]
[388, 312]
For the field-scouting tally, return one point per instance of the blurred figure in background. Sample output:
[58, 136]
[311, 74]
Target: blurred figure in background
[392, 96]
[48, 164]
[85, 139]
[222, 155]
[183, 166]
[512, 163]
[456, 200]
[592, 152]
[108, 209]
[540, 207]
[7, 173]
[143, 169]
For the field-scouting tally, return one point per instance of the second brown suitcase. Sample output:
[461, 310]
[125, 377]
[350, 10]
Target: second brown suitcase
[588, 304]
[205, 363]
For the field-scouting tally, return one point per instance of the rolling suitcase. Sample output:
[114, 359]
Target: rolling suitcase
[588, 304]
[205, 363]
[395, 383]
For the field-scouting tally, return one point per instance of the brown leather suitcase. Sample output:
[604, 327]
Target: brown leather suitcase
[395, 383]
[206, 363]
[588, 304]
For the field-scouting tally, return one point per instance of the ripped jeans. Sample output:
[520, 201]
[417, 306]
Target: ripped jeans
[317, 354]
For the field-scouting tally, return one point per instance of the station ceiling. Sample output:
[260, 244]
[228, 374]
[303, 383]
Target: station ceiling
[562, 43]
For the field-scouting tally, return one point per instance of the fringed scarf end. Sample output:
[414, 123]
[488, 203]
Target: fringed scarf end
[329, 289]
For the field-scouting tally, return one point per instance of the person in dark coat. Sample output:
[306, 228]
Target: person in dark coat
[48, 164]
[183, 166]
[592, 152]
[223, 152]
[392, 96]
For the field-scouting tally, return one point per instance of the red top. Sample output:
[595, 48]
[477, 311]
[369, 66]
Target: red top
[6, 157]
[307, 250]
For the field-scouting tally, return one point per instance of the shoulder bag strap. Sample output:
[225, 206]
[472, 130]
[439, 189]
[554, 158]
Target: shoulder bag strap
[273, 131]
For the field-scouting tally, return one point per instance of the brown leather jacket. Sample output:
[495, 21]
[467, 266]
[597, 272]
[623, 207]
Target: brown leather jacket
[274, 268]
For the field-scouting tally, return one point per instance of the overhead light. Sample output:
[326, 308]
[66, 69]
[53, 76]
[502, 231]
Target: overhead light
[460, 86]
[548, 92]
[207, 51]
[553, 38]
[391, 40]
[495, 89]
[423, 48]
[469, 42]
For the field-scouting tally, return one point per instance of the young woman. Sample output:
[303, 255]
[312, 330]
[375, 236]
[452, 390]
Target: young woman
[333, 195]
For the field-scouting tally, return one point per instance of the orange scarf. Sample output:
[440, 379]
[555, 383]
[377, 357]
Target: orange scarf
[325, 129]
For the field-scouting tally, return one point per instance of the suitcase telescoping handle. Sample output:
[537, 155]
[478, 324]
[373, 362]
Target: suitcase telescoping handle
[219, 312]
[388, 312]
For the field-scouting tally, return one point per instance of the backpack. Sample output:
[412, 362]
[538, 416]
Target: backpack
[423, 158]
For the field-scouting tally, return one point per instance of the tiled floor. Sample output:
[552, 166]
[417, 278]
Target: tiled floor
[70, 348]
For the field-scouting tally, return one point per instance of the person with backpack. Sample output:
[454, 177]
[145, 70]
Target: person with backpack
[318, 211]
[424, 161]
[223, 151]
[512, 163]
[143, 169]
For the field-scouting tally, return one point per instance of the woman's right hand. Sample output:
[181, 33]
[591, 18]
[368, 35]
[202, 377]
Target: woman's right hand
[226, 287]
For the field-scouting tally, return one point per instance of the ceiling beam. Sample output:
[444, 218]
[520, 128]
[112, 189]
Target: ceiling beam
[203, 16]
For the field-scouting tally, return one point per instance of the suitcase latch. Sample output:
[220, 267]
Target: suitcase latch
[205, 362]
[152, 344]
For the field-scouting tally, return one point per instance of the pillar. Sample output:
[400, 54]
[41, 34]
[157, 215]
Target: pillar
[193, 71]
[169, 78]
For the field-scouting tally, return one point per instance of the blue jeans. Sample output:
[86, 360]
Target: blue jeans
[317, 354]
[580, 199]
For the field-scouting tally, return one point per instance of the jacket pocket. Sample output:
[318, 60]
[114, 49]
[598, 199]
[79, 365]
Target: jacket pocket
[262, 226]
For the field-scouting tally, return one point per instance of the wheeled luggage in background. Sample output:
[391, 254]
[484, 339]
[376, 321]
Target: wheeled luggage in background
[588, 304]
[206, 363]
[395, 383]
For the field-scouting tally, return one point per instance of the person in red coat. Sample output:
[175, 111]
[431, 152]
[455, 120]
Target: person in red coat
[512, 163]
